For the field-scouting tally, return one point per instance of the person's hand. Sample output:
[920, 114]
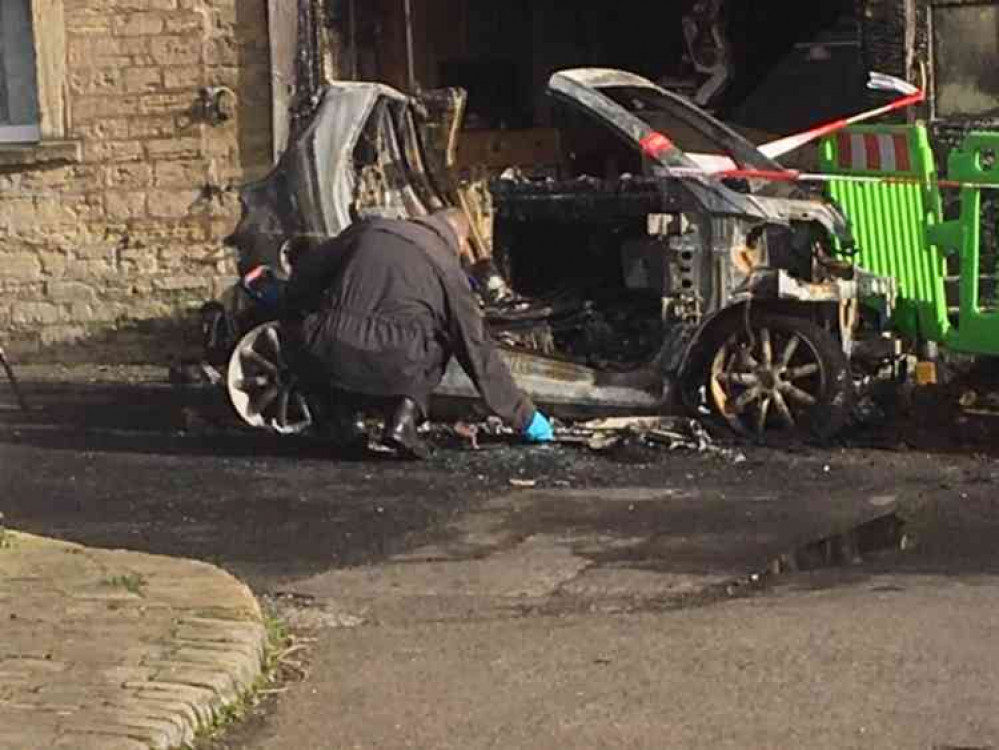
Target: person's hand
[539, 430]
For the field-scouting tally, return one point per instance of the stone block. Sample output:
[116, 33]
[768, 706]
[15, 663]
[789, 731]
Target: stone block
[97, 271]
[175, 50]
[189, 22]
[86, 109]
[109, 128]
[33, 313]
[94, 250]
[53, 263]
[54, 212]
[87, 21]
[139, 80]
[140, 5]
[139, 261]
[98, 51]
[183, 77]
[223, 225]
[88, 176]
[40, 180]
[64, 334]
[180, 173]
[21, 266]
[13, 209]
[89, 209]
[174, 148]
[95, 81]
[70, 291]
[112, 151]
[182, 283]
[80, 312]
[181, 233]
[170, 204]
[138, 24]
[154, 126]
[223, 143]
[130, 175]
[15, 291]
[221, 52]
[162, 104]
[126, 205]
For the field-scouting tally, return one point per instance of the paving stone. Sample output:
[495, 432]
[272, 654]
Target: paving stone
[112, 650]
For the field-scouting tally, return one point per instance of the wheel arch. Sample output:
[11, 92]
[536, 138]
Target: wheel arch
[695, 359]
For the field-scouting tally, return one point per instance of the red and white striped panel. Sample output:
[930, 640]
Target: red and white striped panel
[874, 152]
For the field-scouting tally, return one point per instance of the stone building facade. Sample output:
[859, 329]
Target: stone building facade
[113, 211]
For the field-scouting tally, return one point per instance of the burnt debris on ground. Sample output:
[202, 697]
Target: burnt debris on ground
[958, 415]
[597, 435]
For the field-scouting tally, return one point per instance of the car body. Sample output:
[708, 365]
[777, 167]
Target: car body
[641, 283]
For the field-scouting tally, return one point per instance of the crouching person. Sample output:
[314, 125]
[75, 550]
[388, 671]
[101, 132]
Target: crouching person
[380, 310]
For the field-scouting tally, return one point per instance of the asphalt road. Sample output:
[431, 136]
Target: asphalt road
[336, 543]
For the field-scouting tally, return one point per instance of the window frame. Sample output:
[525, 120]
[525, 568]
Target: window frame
[48, 29]
[951, 110]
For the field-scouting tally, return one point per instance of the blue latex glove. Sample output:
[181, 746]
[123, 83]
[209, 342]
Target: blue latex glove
[539, 430]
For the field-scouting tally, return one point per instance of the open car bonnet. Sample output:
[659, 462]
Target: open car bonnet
[660, 124]
[652, 120]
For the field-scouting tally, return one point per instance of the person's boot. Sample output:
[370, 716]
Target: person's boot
[400, 431]
[346, 428]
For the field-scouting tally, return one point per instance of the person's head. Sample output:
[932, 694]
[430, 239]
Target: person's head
[462, 228]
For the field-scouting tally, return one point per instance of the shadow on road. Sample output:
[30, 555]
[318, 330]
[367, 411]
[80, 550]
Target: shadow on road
[168, 470]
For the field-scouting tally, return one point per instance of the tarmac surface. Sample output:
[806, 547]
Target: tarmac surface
[530, 597]
[876, 666]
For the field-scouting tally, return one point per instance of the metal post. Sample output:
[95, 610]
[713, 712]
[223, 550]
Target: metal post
[410, 54]
[13, 381]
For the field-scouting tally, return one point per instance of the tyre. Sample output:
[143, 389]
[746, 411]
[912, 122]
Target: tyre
[779, 374]
[263, 388]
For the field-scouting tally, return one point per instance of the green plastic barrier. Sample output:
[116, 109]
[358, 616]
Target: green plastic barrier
[889, 220]
[900, 231]
[975, 165]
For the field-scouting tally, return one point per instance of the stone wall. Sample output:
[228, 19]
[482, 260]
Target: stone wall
[110, 240]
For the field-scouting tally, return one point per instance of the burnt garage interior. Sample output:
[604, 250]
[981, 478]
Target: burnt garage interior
[503, 53]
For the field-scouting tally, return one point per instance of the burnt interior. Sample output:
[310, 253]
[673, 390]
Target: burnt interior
[589, 278]
[572, 300]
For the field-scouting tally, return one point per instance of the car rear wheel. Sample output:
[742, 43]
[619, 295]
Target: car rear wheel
[777, 373]
[262, 386]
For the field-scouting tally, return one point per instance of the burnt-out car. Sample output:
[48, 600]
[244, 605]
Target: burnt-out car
[637, 282]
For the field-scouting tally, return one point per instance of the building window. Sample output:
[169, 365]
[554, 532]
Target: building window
[19, 107]
[965, 47]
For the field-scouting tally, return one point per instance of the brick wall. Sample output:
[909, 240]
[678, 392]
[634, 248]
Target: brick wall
[103, 255]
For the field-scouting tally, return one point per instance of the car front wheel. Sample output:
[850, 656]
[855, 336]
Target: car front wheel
[780, 373]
